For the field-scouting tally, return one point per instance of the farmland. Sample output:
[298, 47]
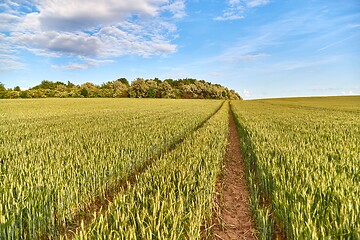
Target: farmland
[58, 155]
[147, 168]
[304, 159]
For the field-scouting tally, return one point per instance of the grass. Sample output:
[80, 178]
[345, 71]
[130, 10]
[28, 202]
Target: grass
[57, 156]
[303, 160]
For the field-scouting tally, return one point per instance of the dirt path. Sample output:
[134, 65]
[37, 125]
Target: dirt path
[234, 218]
[101, 204]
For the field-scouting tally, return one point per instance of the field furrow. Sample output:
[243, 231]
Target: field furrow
[173, 198]
[101, 204]
[303, 161]
[232, 217]
[58, 156]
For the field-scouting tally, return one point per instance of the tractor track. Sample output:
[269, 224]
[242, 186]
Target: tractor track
[232, 216]
[101, 204]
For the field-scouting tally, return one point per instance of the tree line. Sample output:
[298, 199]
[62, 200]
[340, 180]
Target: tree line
[121, 88]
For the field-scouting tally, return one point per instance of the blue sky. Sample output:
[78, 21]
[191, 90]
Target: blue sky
[260, 48]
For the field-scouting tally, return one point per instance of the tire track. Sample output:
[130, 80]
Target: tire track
[101, 204]
[233, 218]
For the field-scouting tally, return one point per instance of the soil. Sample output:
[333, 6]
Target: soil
[101, 203]
[233, 218]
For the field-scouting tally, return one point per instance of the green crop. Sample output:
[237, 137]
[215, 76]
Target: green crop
[173, 199]
[303, 157]
[59, 155]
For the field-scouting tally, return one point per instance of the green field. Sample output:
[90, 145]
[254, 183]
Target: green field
[304, 157]
[59, 156]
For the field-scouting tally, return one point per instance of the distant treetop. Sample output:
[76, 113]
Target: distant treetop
[120, 88]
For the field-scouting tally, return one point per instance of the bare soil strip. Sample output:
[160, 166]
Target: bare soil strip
[101, 204]
[233, 218]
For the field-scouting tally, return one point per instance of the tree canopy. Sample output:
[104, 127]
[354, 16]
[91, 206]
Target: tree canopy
[120, 88]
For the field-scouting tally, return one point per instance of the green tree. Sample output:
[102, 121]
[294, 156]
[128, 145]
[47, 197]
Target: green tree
[84, 92]
[11, 94]
[166, 90]
[124, 81]
[120, 89]
[92, 89]
[70, 85]
[45, 84]
[2, 90]
[152, 88]
[139, 88]
[157, 80]
[171, 82]
[24, 94]
[2, 87]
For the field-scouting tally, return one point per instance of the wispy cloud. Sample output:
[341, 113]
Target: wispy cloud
[91, 29]
[8, 21]
[247, 49]
[290, 65]
[333, 44]
[350, 93]
[8, 63]
[283, 66]
[79, 15]
[8, 58]
[287, 37]
[256, 3]
[181, 75]
[177, 8]
[246, 93]
[354, 25]
[236, 9]
[82, 65]
[77, 44]
[250, 57]
[215, 74]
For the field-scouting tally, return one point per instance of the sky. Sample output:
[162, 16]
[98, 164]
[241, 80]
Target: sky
[260, 48]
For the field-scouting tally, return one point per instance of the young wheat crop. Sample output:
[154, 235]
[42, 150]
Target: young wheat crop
[303, 156]
[173, 199]
[58, 155]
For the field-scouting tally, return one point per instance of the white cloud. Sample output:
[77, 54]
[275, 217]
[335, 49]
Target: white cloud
[8, 59]
[117, 42]
[8, 63]
[236, 8]
[82, 65]
[30, 23]
[8, 21]
[215, 74]
[246, 49]
[302, 63]
[77, 44]
[69, 15]
[107, 42]
[246, 93]
[333, 44]
[256, 3]
[231, 13]
[249, 57]
[181, 75]
[288, 30]
[177, 8]
[349, 93]
[354, 25]
[91, 28]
